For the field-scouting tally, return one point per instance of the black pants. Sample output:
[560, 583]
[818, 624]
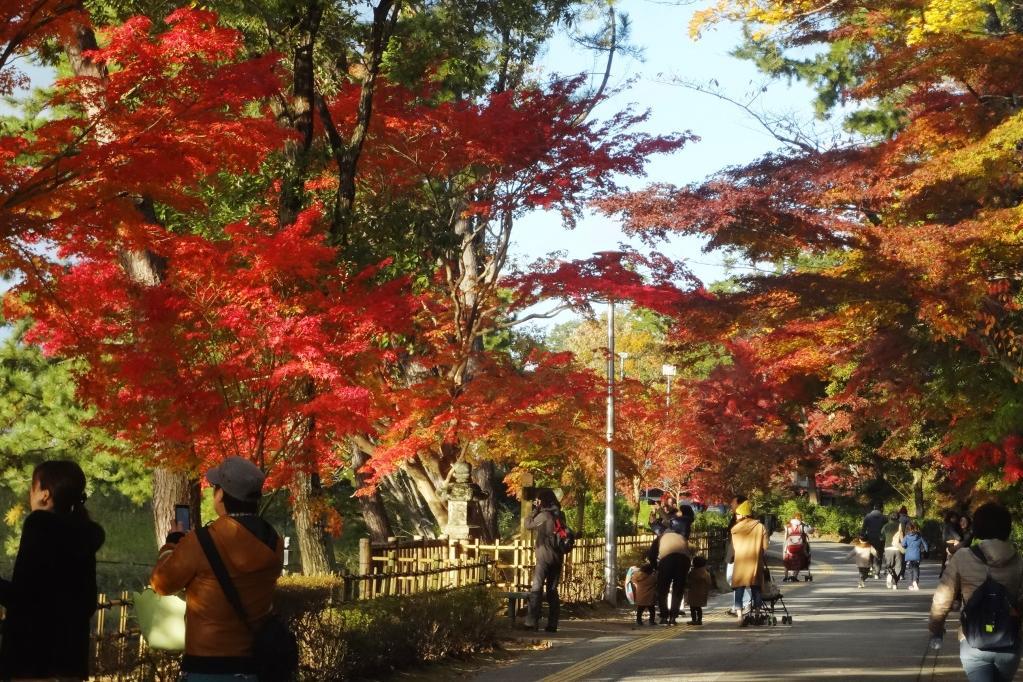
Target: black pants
[864, 572]
[894, 564]
[671, 573]
[546, 575]
[639, 613]
[697, 613]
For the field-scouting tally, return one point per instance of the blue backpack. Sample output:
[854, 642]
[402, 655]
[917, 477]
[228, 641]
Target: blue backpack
[989, 619]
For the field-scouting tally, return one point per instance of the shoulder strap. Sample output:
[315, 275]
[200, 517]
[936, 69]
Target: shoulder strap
[209, 548]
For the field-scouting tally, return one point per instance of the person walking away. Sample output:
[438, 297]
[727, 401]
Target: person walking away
[872, 525]
[915, 546]
[749, 543]
[965, 532]
[796, 554]
[51, 596]
[697, 590]
[218, 643]
[669, 553]
[644, 582]
[995, 557]
[729, 550]
[903, 518]
[950, 537]
[893, 551]
[865, 555]
[549, 559]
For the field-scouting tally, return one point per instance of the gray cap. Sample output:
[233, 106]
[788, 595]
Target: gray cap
[240, 478]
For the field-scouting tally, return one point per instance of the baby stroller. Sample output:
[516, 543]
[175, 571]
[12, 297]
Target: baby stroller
[796, 555]
[766, 612]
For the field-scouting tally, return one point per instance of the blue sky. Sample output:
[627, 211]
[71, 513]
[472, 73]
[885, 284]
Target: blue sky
[728, 135]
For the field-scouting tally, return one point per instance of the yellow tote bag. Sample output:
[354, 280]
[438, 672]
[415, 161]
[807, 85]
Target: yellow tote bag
[161, 620]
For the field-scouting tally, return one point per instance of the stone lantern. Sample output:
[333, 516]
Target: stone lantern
[459, 495]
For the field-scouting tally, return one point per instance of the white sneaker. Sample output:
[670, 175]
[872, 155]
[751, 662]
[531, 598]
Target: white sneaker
[859, 584]
[888, 581]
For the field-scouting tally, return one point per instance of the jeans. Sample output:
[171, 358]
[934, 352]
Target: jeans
[988, 666]
[739, 592]
[671, 573]
[546, 576]
[913, 571]
[208, 677]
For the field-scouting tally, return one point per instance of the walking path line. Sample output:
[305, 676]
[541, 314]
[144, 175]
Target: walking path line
[584, 669]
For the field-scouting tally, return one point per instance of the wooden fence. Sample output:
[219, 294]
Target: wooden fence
[395, 568]
[512, 561]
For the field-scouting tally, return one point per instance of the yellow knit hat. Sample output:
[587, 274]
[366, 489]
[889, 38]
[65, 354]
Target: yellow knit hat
[744, 509]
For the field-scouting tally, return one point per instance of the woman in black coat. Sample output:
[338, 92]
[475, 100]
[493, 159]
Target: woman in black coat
[51, 596]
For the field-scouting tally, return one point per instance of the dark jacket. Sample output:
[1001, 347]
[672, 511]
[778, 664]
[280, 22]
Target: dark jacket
[872, 525]
[542, 521]
[50, 598]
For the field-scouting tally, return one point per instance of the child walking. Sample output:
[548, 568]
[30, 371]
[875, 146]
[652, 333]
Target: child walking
[697, 590]
[644, 582]
[865, 556]
[915, 546]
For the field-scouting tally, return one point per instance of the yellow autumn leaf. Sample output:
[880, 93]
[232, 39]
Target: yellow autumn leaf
[13, 516]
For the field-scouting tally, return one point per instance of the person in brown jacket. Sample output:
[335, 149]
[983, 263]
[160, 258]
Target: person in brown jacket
[749, 543]
[644, 581]
[965, 572]
[218, 645]
[697, 590]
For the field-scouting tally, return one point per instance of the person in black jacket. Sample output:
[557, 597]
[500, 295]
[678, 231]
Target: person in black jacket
[549, 559]
[51, 595]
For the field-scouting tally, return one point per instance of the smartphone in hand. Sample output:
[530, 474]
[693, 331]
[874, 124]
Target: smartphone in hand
[183, 517]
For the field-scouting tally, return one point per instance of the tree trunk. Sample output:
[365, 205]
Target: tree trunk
[372, 506]
[919, 507]
[313, 548]
[812, 492]
[580, 510]
[485, 476]
[172, 487]
[410, 508]
[427, 488]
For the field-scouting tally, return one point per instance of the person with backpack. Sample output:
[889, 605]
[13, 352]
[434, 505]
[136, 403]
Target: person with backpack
[229, 571]
[553, 541]
[988, 577]
[51, 596]
[669, 554]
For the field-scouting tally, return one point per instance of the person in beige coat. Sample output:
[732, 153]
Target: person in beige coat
[644, 582]
[964, 573]
[749, 543]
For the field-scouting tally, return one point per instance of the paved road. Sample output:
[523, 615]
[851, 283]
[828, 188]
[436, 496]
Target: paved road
[839, 632]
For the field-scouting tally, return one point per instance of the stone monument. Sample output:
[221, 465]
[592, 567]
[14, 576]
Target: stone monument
[459, 495]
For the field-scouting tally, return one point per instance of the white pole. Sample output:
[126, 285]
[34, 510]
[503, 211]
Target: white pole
[610, 548]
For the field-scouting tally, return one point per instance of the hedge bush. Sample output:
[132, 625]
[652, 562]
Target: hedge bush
[350, 641]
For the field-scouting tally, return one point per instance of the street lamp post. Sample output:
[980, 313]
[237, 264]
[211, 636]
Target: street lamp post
[610, 546]
[669, 372]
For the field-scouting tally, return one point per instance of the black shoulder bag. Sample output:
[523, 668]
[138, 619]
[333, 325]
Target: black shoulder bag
[274, 648]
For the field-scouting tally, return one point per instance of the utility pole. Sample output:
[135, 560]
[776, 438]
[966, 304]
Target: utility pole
[610, 541]
[669, 372]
